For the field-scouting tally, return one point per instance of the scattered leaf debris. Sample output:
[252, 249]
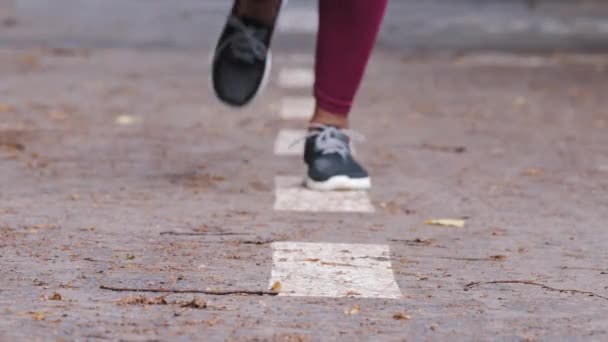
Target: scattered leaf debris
[415, 242]
[312, 259]
[38, 316]
[533, 172]
[55, 296]
[206, 292]
[446, 149]
[195, 303]
[276, 287]
[6, 108]
[402, 316]
[393, 208]
[456, 223]
[354, 310]
[134, 300]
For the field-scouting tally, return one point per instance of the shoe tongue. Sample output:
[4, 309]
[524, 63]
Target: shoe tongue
[337, 134]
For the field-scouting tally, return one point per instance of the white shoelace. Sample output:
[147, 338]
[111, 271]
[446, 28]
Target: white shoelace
[328, 140]
[245, 44]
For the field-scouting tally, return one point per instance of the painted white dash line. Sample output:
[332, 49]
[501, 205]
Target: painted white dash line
[333, 270]
[291, 195]
[299, 20]
[297, 108]
[295, 78]
[289, 142]
[295, 59]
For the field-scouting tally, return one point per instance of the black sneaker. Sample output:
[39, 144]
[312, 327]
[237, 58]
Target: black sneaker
[331, 165]
[242, 59]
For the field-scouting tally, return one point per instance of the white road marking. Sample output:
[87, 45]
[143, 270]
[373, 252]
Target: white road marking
[297, 108]
[333, 270]
[289, 142]
[299, 20]
[296, 78]
[602, 167]
[291, 195]
[296, 58]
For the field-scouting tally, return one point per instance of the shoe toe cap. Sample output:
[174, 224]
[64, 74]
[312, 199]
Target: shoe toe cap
[236, 82]
[325, 167]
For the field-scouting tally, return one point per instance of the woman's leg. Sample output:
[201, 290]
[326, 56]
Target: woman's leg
[347, 34]
[264, 11]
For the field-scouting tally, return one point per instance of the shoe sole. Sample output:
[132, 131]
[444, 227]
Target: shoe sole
[335, 183]
[267, 69]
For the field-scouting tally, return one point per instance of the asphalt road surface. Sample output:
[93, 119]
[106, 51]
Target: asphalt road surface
[120, 173]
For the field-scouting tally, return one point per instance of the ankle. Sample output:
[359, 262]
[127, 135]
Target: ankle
[323, 117]
[264, 11]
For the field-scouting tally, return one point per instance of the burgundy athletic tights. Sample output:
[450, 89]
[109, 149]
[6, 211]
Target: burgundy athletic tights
[347, 34]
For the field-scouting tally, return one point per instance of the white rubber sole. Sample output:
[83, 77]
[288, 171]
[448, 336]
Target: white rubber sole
[339, 183]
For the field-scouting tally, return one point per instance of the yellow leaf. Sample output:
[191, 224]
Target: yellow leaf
[352, 311]
[38, 316]
[458, 223]
[276, 287]
[312, 259]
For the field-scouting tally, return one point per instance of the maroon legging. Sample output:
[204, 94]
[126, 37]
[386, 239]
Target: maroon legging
[347, 34]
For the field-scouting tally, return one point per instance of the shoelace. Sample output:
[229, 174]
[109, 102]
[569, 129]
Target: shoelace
[245, 43]
[328, 139]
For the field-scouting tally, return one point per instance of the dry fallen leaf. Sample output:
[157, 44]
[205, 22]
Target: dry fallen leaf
[143, 300]
[402, 316]
[196, 303]
[457, 223]
[38, 316]
[30, 60]
[212, 322]
[533, 172]
[276, 287]
[55, 296]
[353, 310]
[44, 226]
[6, 108]
[312, 259]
